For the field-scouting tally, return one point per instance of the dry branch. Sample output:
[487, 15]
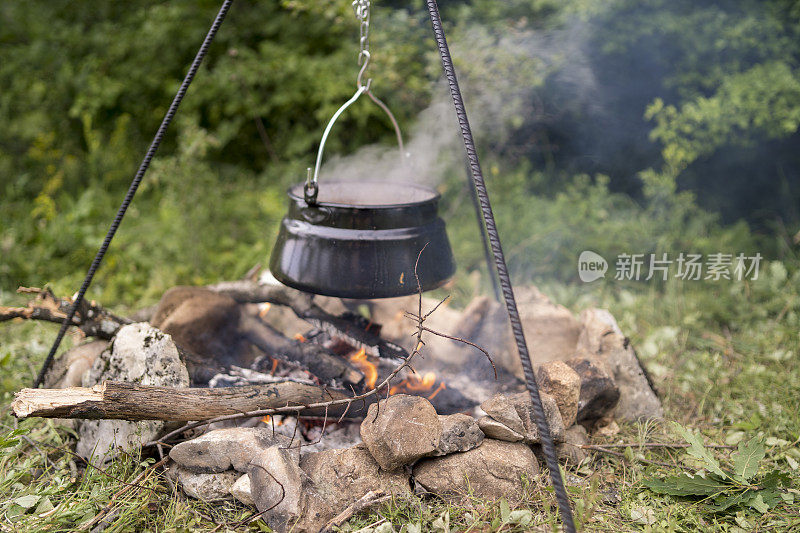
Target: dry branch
[367, 501]
[92, 319]
[126, 401]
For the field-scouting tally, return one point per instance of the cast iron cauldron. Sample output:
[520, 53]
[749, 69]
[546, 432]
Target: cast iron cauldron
[362, 239]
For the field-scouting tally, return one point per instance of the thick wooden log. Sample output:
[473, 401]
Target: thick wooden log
[127, 401]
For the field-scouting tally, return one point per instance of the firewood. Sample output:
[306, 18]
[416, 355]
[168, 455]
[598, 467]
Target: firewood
[128, 401]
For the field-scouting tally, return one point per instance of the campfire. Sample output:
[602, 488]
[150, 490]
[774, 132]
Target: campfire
[270, 372]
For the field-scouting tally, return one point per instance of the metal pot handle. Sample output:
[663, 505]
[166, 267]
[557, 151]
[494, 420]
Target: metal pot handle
[311, 188]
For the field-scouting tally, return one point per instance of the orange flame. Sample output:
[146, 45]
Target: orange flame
[359, 359]
[441, 387]
[415, 383]
[299, 337]
[265, 307]
[279, 421]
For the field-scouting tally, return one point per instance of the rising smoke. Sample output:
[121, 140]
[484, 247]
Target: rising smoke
[572, 100]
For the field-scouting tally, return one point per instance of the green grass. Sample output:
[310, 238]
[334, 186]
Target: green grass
[723, 356]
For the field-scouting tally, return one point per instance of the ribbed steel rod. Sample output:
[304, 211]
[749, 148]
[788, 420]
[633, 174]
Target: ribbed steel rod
[548, 446]
[487, 250]
[112, 230]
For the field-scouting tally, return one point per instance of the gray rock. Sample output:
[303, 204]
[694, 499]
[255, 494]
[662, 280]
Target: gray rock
[460, 433]
[551, 329]
[495, 469]
[561, 382]
[338, 478]
[241, 490]
[223, 449]
[570, 450]
[206, 487]
[515, 411]
[401, 431]
[496, 430]
[138, 354]
[502, 409]
[276, 485]
[599, 394]
[601, 336]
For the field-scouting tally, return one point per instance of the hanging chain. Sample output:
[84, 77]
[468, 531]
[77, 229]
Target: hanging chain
[361, 9]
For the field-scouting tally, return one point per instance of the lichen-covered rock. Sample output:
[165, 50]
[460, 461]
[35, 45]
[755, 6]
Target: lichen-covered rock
[206, 487]
[223, 449]
[138, 354]
[495, 469]
[515, 411]
[400, 431]
[560, 381]
[337, 478]
[599, 394]
[460, 433]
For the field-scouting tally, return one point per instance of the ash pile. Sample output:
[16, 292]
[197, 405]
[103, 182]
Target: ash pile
[444, 425]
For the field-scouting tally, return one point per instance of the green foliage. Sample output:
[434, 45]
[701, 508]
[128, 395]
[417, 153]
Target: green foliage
[762, 102]
[725, 490]
[86, 87]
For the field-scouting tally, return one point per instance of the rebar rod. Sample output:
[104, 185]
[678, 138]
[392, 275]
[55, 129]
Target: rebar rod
[145, 164]
[548, 447]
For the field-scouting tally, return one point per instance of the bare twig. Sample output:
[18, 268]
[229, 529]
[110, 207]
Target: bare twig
[258, 515]
[465, 341]
[657, 445]
[368, 500]
[622, 456]
[105, 473]
[135, 483]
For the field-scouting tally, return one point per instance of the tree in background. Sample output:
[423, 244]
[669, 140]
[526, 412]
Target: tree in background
[592, 114]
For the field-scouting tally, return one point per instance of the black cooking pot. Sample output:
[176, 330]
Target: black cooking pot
[362, 239]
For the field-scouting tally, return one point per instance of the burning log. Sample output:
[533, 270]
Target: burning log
[219, 331]
[302, 304]
[218, 309]
[127, 401]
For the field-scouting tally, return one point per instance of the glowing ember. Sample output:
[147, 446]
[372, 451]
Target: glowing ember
[264, 309]
[299, 337]
[274, 367]
[370, 371]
